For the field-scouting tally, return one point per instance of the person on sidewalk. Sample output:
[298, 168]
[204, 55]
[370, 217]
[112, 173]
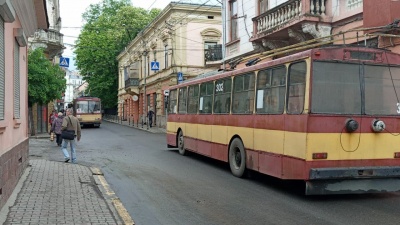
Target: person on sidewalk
[150, 116]
[52, 117]
[70, 122]
[56, 128]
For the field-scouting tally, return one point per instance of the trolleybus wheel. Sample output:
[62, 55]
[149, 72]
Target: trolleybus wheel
[237, 158]
[181, 144]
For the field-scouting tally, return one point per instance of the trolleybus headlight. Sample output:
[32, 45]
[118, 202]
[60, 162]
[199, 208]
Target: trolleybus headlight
[397, 154]
[351, 125]
[378, 125]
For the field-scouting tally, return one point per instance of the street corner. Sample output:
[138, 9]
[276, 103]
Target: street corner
[109, 195]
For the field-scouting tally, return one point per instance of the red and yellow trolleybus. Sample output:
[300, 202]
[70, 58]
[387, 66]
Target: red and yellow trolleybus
[88, 110]
[328, 116]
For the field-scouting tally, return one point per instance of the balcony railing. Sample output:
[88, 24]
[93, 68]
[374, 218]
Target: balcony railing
[52, 36]
[132, 82]
[213, 53]
[286, 12]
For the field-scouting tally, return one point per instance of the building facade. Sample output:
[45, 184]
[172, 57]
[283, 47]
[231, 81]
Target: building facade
[265, 26]
[51, 40]
[185, 40]
[74, 80]
[18, 20]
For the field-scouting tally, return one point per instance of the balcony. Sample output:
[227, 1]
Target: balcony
[292, 22]
[51, 40]
[132, 85]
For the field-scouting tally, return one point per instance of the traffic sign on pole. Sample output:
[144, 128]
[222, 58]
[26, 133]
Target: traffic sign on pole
[155, 66]
[180, 77]
[64, 62]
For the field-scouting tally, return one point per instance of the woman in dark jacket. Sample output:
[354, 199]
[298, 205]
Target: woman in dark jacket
[56, 128]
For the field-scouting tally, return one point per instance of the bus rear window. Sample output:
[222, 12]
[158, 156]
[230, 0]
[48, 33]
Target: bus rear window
[336, 88]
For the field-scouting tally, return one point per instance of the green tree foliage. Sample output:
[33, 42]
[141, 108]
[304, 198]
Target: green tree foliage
[110, 26]
[45, 81]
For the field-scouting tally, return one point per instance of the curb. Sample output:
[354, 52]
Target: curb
[158, 131]
[114, 203]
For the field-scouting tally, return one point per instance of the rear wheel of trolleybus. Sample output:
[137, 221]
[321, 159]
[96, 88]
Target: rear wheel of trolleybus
[237, 158]
[181, 143]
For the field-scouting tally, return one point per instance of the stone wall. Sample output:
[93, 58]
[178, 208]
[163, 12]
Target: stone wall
[12, 165]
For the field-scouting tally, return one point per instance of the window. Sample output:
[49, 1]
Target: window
[243, 94]
[17, 99]
[263, 6]
[182, 100]
[82, 106]
[94, 107]
[2, 72]
[212, 51]
[193, 99]
[271, 86]
[165, 56]
[233, 20]
[206, 95]
[296, 90]
[222, 100]
[275, 3]
[334, 82]
[172, 107]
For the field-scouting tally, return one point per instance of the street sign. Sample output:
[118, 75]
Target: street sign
[180, 77]
[155, 65]
[166, 92]
[64, 62]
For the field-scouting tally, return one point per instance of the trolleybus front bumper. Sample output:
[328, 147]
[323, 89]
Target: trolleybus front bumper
[353, 180]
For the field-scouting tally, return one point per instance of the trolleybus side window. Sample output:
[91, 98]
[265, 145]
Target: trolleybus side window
[271, 87]
[243, 94]
[206, 97]
[182, 100]
[222, 99]
[193, 99]
[335, 88]
[172, 106]
[296, 90]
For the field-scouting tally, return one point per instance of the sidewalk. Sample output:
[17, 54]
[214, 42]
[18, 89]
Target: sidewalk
[52, 192]
[138, 126]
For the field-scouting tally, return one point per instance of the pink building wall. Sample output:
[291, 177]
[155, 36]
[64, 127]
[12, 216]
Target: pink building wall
[14, 140]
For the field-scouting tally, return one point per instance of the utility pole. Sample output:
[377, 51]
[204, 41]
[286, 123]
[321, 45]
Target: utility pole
[223, 34]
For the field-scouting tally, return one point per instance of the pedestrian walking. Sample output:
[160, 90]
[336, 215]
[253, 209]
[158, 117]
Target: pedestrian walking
[52, 117]
[150, 116]
[56, 128]
[70, 122]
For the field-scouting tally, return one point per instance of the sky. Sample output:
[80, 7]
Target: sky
[71, 16]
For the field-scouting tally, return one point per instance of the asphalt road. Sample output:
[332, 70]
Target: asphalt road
[159, 186]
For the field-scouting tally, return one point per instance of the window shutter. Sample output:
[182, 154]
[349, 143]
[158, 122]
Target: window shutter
[17, 99]
[2, 71]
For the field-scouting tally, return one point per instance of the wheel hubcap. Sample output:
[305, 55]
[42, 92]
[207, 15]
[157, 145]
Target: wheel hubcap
[238, 157]
[181, 142]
